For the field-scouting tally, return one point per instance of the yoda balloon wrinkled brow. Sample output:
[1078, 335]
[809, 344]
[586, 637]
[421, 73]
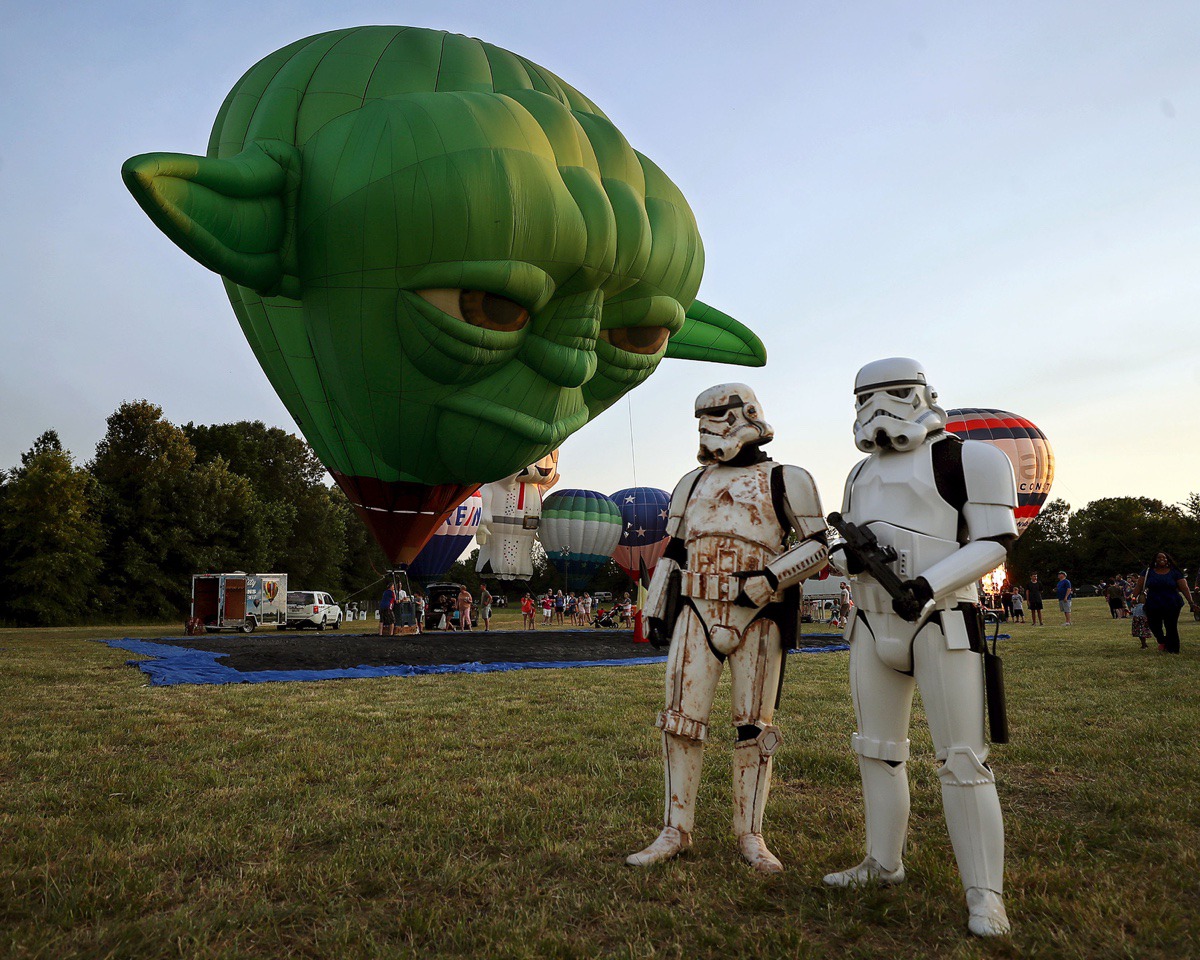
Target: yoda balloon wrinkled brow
[445, 259]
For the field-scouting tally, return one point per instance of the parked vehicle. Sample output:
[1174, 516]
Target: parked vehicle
[237, 601]
[312, 608]
[602, 596]
[440, 600]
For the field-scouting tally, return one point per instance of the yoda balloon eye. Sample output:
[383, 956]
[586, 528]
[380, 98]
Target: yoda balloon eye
[487, 310]
[637, 339]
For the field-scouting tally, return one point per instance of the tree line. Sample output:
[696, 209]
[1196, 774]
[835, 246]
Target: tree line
[118, 538]
[1114, 535]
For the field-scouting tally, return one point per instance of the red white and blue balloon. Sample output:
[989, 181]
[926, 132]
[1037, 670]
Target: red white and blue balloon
[449, 541]
[644, 512]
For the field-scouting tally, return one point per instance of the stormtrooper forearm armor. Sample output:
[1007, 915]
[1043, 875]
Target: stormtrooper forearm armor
[964, 566]
[798, 563]
[802, 506]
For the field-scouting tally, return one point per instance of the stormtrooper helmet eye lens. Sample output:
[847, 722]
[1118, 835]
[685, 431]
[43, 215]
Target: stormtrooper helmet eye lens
[902, 393]
[862, 398]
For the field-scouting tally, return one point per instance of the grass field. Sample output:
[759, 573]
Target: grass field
[488, 815]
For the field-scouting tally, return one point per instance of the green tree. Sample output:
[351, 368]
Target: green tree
[142, 464]
[50, 537]
[364, 563]
[287, 476]
[1045, 546]
[1122, 534]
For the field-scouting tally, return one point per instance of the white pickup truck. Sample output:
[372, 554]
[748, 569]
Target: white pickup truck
[312, 608]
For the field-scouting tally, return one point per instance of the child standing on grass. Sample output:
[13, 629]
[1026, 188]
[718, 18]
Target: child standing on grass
[1018, 606]
[1139, 625]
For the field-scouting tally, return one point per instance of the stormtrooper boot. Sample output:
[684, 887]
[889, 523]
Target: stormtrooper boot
[751, 785]
[682, 759]
[976, 828]
[885, 807]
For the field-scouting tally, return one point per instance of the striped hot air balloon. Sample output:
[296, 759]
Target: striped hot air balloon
[1023, 443]
[644, 513]
[579, 530]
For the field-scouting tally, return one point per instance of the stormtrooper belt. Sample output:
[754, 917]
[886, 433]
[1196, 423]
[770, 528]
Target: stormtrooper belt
[710, 586]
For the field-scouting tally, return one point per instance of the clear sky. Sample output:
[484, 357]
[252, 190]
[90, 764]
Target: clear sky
[1009, 192]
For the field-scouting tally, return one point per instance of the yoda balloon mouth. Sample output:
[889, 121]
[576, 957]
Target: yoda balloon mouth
[445, 258]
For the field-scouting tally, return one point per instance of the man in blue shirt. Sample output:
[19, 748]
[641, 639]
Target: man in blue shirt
[387, 613]
[1064, 591]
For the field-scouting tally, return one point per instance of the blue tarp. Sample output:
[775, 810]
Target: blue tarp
[171, 665]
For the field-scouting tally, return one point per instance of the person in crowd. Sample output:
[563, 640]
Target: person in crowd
[1163, 589]
[548, 609]
[485, 607]
[1017, 604]
[1065, 593]
[1139, 626]
[1033, 600]
[1115, 591]
[560, 609]
[1006, 600]
[527, 619]
[419, 608]
[844, 602]
[585, 609]
[463, 604]
[573, 608]
[625, 611]
[387, 612]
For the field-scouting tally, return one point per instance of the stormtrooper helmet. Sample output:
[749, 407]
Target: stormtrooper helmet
[895, 407]
[730, 419]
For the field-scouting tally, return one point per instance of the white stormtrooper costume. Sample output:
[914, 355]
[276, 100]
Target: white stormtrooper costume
[946, 507]
[731, 582]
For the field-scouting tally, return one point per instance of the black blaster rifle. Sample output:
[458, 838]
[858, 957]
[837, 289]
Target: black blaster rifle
[861, 545]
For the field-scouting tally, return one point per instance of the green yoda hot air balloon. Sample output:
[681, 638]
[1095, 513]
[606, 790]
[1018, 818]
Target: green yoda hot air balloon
[446, 259]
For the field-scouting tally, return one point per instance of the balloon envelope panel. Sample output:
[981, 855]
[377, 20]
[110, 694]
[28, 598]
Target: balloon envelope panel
[1023, 443]
[579, 530]
[449, 541]
[644, 512]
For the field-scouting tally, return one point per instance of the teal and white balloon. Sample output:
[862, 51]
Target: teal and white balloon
[579, 531]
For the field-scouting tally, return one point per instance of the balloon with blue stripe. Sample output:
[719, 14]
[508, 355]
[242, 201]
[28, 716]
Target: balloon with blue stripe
[579, 531]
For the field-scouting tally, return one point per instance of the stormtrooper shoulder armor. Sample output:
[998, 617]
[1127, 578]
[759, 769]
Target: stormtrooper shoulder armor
[988, 474]
[802, 503]
[679, 501]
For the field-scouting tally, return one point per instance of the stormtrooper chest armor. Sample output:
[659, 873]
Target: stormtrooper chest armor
[731, 521]
[896, 495]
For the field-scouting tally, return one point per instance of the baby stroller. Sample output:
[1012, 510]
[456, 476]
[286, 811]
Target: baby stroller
[603, 618]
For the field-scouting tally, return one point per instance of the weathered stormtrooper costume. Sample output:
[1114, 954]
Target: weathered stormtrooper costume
[946, 507]
[724, 590]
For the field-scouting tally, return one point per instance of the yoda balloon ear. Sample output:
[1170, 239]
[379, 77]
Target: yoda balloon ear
[235, 216]
[709, 334]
